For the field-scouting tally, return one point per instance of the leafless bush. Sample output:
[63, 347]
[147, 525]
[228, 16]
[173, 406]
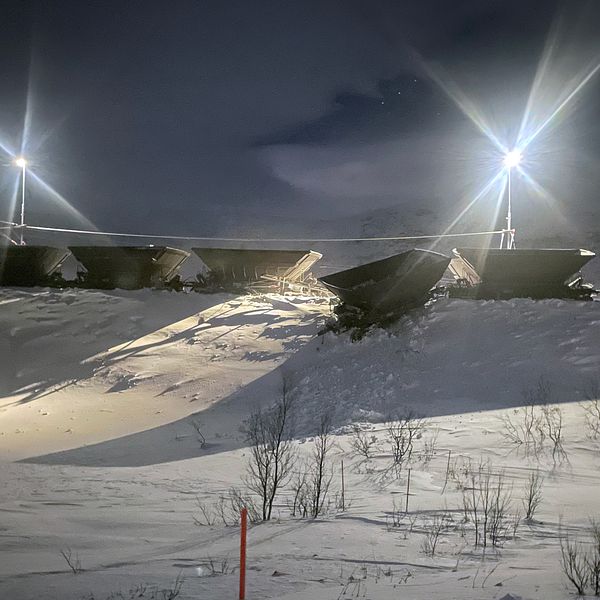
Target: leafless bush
[72, 560]
[237, 499]
[515, 523]
[433, 531]
[227, 509]
[271, 452]
[310, 485]
[592, 408]
[430, 446]
[146, 592]
[395, 518]
[320, 478]
[501, 522]
[207, 516]
[459, 472]
[398, 519]
[299, 504]
[363, 444]
[537, 422]
[522, 427]
[574, 564]
[401, 434]
[217, 566]
[486, 505]
[354, 585]
[533, 494]
[551, 427]
[592, 559]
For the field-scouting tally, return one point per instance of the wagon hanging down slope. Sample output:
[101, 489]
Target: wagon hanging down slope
[390, 285]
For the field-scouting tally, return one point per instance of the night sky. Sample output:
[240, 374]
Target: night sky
[194, 117]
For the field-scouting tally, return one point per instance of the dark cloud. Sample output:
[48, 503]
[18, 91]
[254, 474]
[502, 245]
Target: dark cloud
[197, 116]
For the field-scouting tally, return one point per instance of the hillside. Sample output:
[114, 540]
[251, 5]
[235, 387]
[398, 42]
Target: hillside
[103, 395]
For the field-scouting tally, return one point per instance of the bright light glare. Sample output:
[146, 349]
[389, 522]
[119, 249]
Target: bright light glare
[512, 159]
[21, 162]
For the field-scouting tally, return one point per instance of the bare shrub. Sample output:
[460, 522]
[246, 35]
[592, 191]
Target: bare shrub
[433, 531]
[320, 478]
[551, 427]
[310, 484]
[271, 452]
[430, 446]
[537, 422]
[401, 434]
[398, 519]
[146, 592]
[363, 444]
[486, 505]
[299, 505]
[574, 564]
[72, 560]
[501, 523]
[533, 494]
[227, 509]
[522, 427]
[395, 518]
[238, 499]
[217, 566]
[459, 472]
[593, 558]
[592, 408]
[207, 515]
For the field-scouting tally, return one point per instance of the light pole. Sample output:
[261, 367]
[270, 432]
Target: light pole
[511, 160]
[22, 164]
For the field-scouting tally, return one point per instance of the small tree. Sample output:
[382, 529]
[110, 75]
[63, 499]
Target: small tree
[401, 435]
[271, 452]
[533, 494]
[486, 504]
[433, 531]
[574, 564]
[363, 444]
[320, 479]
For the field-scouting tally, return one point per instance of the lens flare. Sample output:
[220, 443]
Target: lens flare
[574, 90]
[512, 159]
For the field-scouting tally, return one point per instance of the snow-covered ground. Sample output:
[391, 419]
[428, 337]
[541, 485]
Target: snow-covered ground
[102, 393]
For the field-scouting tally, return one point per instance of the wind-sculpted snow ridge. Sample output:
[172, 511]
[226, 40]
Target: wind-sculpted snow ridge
[80, 367]
[130, 409]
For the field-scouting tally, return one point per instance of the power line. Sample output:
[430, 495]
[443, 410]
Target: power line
[225, 239]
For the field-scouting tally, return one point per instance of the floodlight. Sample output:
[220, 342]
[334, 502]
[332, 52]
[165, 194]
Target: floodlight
[21, 162]
[512, 159]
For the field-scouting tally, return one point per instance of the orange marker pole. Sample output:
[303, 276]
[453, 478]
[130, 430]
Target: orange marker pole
[244, 518]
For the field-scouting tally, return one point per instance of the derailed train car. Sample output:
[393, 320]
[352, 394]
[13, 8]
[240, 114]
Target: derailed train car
[29, 266]
[488, 273]
[128, 267]
[229, 266]
[388, 286]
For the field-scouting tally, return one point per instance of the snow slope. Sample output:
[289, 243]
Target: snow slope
[101, 394]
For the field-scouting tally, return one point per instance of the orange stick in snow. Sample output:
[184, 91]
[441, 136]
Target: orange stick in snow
[243, 529]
